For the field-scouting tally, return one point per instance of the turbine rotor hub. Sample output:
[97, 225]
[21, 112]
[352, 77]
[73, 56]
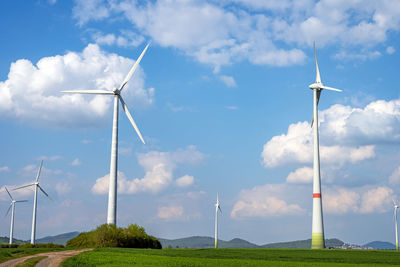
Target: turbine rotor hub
[116, 91]
[315, 86]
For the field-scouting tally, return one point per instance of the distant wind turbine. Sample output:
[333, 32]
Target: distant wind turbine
[395, 224]
[36, 185]
[217, 207]
[12, 208]
[112, 193]
[318, 240]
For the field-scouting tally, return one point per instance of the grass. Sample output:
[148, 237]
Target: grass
[12, 253]
[233, 257]
[31, 262]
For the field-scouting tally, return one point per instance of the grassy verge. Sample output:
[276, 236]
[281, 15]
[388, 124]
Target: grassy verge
[31, 262]
[12, 253]
[233, 257]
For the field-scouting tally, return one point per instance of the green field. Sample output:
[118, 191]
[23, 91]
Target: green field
[233, 257]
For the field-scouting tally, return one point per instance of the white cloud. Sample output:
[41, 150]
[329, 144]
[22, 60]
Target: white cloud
[185, 181]
[231, 107]
[170, 212]
[390, 50]
[63, 188]
[297, 147]
[159, 168]
[394, 178]
[363, 128]
[125, 39]
[229, 81]
[4, 169]
[302, 175]
[265, 201]
[377, 200]
[222, 33]
[340, 201]
[32, 92]
[76, 162]
[361, 55]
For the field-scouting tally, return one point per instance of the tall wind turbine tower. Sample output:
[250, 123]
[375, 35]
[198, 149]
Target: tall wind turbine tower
[217, 207]
[317, 240]
[36, 186]
[116, 92]
[395, 224]
[12, 207]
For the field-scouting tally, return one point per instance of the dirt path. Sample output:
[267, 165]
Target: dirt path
[53, 258]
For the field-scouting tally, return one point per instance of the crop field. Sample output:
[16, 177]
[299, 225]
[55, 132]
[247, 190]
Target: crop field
[233, 257]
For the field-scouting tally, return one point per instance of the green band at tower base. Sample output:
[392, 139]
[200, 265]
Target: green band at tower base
[317, 241]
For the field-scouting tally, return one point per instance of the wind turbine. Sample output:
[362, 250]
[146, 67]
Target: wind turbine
[217, 207]
[395, 224]
[36, 185]
[317, 240]
[12, 208]
[116, 92]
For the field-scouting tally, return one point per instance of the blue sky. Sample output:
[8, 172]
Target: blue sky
[222, 100]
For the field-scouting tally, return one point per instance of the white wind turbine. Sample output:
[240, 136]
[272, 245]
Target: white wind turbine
[12, 208]
[318, 240]
[395, 224]
[36, 185]
[112, 193]
[217, 207]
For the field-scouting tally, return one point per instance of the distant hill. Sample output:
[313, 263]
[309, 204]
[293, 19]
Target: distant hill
[380, 245]
[6, 240]
[58, 239]
[329, 243]
[207, 242]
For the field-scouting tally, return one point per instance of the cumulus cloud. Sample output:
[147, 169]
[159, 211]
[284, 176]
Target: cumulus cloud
[125, 39]
[222, 33]
[377, 200]
[302, 175]
[20, 194]
[170, 212]
[340, 201]
[76, 162]
[4, 169]
[390, 50]
[229, 81]
[394, 178]
[32, 91]
[297, 147]
[185, 181]
[265, 201]
[63, 187]
[159, 168]
[347, 134]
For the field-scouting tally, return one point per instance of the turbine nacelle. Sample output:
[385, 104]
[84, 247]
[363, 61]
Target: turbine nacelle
[316, 86]
[116, 91]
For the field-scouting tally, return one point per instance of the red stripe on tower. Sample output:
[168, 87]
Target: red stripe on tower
[316, 195]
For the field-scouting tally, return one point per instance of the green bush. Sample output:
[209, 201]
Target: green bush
[108, 235]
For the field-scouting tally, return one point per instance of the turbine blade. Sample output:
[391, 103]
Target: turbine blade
[8, 192]
[219, 208]
[91, 92]
[23, 186]
[128, 114]
[318, 76]
[133, 68]
[40, 169]
[41, 189]
[318, 96]
[22, 201]
[331, 88]
[8, 211]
